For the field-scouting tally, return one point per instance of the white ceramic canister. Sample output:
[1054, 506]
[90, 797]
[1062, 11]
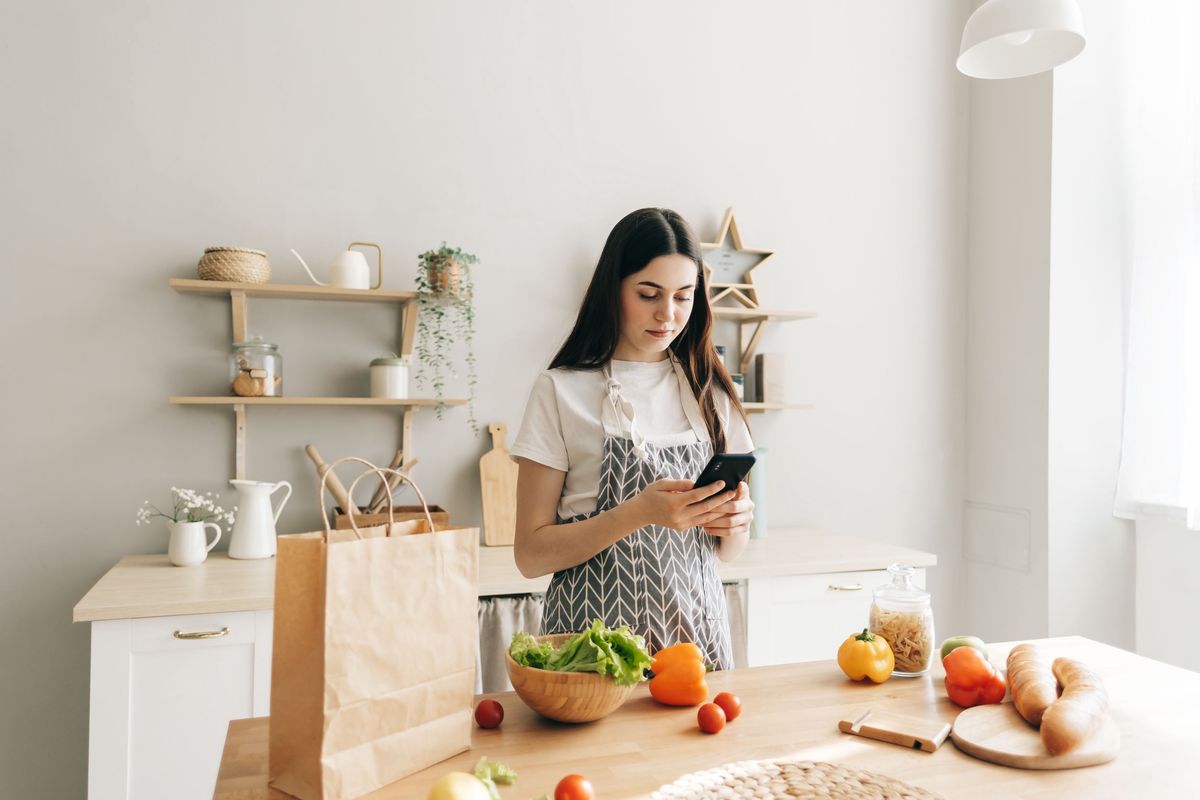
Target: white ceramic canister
[389, 377]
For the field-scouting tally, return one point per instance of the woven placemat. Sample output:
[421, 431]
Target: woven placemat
[789, 779]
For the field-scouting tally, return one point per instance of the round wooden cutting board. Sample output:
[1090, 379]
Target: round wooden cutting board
[997, 733]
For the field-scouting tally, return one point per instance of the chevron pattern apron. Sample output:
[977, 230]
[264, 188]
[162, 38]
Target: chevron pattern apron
[661, 582]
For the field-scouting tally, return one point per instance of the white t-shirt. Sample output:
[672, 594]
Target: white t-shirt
[562, 427]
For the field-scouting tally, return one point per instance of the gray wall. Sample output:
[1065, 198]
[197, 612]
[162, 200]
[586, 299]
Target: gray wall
[138, 133]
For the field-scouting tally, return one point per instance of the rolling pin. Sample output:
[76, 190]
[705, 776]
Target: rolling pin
[335, 486]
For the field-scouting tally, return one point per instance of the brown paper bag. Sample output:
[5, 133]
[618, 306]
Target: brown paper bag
[373, 668]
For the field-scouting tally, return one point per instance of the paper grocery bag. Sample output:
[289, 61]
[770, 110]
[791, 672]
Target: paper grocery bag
[373, 668]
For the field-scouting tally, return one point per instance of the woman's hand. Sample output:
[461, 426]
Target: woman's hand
[736, 514]
[675, 504]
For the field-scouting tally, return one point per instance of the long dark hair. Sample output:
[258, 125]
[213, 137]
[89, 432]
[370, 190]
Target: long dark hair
[634, 242]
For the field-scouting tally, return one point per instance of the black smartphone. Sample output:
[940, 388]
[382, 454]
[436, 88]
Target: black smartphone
[732, 468]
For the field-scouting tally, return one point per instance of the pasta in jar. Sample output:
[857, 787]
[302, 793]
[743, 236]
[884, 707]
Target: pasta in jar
[902, 616]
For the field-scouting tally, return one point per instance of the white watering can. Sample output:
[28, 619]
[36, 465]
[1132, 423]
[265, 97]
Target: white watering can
[350, 269]
[254, 527]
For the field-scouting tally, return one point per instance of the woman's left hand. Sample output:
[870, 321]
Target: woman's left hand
[736, 512]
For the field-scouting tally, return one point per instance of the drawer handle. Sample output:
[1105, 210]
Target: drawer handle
[202, 634]
[845, 587]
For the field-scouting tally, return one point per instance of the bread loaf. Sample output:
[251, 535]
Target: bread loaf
[1079, 712]
[1031, 682]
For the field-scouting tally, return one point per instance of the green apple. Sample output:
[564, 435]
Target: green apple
[954, 642]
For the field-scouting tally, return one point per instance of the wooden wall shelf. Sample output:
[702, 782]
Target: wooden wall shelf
[309, 401]
[290, 291]
[760, 314]
[758, 408]
[240, 293]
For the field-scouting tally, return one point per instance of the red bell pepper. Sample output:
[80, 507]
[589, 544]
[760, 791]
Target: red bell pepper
[971, 680]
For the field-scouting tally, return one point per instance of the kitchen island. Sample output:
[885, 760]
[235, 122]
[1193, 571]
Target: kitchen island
[792, 711]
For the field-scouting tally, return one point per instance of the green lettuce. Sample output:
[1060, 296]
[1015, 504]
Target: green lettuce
[492, 772]
[619, 653]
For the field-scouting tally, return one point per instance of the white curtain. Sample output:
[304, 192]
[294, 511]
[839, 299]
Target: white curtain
[1159, 95]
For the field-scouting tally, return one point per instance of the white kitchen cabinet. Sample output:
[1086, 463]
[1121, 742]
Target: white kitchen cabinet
[794, 618]
[163, 690]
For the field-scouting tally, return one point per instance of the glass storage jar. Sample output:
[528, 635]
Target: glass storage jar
[901, 614]
[256, 369]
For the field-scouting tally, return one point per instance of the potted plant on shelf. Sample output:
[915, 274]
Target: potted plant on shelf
[446, 315]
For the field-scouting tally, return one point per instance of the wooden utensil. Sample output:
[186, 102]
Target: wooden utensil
[393, 482]
[914, 733]
[996, 733]
[335, 486]
[498, 482]
[379, 495]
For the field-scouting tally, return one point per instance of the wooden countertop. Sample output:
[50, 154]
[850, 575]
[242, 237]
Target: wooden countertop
[792, 711]
[148, 586]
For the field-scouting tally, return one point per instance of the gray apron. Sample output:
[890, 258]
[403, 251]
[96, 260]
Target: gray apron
[661, 582]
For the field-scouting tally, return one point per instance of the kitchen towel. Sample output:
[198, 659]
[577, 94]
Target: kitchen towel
[373, 667]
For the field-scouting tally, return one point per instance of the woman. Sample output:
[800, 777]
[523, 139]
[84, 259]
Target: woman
[632, 408]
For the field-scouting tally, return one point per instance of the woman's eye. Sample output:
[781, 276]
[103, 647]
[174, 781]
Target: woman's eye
[648, 296]
[683, 299]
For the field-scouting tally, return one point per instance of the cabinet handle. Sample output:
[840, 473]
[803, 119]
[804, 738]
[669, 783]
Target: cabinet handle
[845, 587]
[202, 634]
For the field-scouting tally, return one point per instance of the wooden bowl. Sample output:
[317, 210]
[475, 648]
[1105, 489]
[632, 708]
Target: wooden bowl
[566, 696]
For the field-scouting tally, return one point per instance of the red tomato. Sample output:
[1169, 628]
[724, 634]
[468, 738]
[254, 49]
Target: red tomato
[574, 787]
[730, 703]
[489, 714]
[711, 718]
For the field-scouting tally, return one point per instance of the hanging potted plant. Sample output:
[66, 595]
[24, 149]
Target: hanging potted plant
[446, 315]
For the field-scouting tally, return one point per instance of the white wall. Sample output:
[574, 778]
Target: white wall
[1091, 553]
[144, 131]
[1008, 272]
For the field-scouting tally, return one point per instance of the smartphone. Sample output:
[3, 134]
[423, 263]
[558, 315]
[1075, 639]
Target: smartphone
[732, 468]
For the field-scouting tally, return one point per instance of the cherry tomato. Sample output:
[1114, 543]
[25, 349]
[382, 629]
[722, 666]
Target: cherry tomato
[574, 787]
[730, 703]
[489, 714]
[711, 718]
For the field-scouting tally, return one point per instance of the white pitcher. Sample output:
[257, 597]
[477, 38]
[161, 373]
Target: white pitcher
[254, 528]
[350, 269]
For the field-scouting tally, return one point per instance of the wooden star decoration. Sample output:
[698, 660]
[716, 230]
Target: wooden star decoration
[729, 271]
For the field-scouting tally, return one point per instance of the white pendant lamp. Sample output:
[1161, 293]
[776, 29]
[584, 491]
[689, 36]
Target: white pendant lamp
[1014, 38]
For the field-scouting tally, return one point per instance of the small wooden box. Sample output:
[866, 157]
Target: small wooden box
[441, 517]
[769, 378]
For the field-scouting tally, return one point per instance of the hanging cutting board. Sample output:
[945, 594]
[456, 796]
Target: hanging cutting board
[498, 482]
[998, 734]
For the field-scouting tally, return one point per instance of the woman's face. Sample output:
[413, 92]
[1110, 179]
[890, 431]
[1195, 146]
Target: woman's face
[655, 305]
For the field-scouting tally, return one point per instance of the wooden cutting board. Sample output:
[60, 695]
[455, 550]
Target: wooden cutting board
[914, 733]
[998, 734]
[498, 482]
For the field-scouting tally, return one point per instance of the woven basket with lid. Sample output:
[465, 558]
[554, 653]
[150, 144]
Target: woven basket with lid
[235, 264]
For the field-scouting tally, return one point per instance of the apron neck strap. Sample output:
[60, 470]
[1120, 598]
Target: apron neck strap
[618, 416]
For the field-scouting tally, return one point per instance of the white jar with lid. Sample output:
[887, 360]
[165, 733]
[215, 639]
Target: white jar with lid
[389, 377]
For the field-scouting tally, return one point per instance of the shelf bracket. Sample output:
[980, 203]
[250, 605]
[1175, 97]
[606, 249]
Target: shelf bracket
[239, 441]
[408, 330]
[755, 338]
[238, 304]
[406, 450]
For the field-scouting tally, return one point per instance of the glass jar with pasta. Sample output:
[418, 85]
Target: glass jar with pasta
[901, 614]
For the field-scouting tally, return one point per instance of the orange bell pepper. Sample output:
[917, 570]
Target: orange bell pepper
[679, 676]
[971, 680]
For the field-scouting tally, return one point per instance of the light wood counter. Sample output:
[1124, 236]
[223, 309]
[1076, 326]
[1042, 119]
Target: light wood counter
[148, 586]
[792, 711]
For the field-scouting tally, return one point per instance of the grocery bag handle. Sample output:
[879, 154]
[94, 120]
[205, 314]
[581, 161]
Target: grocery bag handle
[380, 471]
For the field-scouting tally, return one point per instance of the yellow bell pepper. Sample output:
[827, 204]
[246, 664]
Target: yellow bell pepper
[865, 655]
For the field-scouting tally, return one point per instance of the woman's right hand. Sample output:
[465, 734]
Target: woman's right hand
[675, 504]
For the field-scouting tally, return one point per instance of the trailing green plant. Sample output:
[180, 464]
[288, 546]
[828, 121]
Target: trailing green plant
[446, 316]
